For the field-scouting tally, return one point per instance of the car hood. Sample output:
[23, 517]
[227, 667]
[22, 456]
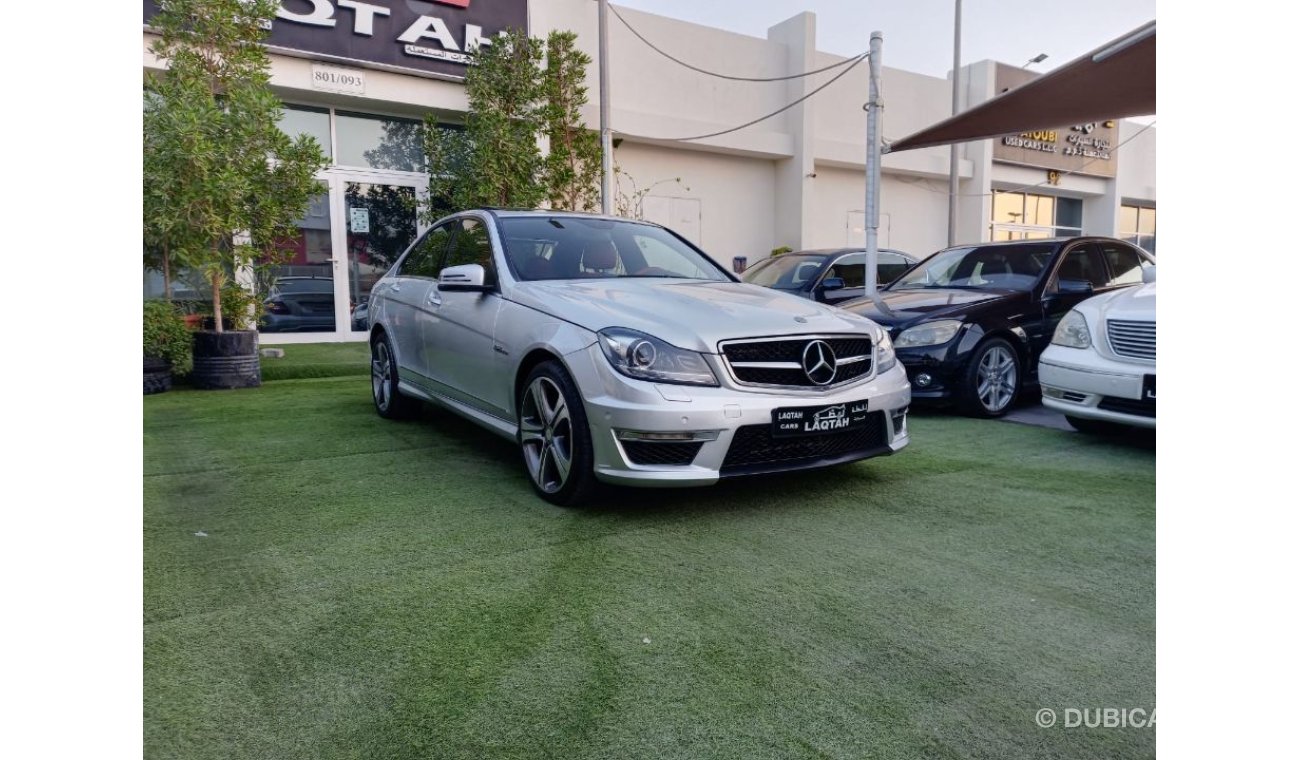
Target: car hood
[906, 307]
[1137, 303]
[692, 314]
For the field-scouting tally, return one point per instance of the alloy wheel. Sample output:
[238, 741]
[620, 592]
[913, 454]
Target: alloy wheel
[546, 434]
[997, 379]
[381, 375]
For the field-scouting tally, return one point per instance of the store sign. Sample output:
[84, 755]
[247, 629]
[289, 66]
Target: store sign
[1075, 149]
[434, 37]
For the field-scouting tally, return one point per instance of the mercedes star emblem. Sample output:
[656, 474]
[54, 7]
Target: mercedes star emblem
[819, 362]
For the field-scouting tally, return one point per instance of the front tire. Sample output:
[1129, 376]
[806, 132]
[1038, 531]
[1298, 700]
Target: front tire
[991, 382]
[554, 437]
[389, 401]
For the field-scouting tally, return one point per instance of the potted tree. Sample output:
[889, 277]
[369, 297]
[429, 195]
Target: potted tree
[167, 345]
[222, 184]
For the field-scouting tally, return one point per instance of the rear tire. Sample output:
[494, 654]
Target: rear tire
[389, 401]
[990, 384]
[554, 437]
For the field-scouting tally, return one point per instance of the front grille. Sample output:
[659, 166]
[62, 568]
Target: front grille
[1133, 340]
[753, 447]
[1136, 407]
[780, 361]
[675, 453]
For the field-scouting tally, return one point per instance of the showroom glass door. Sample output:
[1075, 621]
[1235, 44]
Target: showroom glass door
[300, 301]
[381, 220]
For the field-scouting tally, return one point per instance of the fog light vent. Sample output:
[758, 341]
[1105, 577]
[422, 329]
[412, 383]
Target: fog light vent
[899, 418]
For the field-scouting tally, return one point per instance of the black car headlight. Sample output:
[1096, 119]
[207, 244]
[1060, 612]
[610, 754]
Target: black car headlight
[645, 357]
[928, 333]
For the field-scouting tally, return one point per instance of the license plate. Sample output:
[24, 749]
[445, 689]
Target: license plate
[1148, 387]
[793, 421]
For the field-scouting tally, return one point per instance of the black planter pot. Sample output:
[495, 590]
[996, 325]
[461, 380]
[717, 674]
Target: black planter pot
[157, 375]
[226, 360]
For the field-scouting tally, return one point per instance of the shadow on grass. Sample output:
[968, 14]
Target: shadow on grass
[766, 492]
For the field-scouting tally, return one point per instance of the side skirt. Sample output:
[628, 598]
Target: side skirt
[503, 428]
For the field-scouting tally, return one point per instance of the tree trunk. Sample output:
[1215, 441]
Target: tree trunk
[167, 274]
[216, 278]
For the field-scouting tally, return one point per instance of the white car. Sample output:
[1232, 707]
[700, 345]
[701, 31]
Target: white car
[1101, 366]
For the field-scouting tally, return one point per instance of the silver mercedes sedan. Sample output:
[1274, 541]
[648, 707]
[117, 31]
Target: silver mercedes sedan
[614, 351]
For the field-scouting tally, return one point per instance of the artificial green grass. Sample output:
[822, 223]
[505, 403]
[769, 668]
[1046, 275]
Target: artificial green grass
[308, 360]
[370, 589]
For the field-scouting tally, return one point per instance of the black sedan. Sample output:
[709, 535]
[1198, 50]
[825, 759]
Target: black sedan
[970, 322]
[829, 275]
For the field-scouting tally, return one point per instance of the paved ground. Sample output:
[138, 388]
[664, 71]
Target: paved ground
[1034, 413]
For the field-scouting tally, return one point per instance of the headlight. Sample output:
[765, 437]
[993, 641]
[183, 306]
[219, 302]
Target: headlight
[885, 358]
[1072, 332]
[930, 333]
[643, 357]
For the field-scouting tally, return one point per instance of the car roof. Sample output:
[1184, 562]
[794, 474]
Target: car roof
[839, 251]
[543, 213]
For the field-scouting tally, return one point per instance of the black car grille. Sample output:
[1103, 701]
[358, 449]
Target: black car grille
[790, 352]
[674, 453]
[1136, 407]
[753, 447]
[1131, 339]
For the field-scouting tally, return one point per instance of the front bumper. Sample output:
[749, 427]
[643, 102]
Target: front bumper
[616, 403]
[1082, 383]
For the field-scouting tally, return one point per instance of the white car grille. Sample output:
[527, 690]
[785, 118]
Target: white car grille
[1132, 340]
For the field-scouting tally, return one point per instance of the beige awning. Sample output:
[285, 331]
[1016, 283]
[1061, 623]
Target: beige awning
[1114, 81]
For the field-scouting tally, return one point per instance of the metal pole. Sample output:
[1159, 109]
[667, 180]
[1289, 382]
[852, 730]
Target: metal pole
[872, 222]
[952, 150]
[606, 143]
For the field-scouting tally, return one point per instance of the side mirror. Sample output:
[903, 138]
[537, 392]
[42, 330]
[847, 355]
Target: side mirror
[1149, 274]
[1076, 287]
[833, 283]
[467, 278]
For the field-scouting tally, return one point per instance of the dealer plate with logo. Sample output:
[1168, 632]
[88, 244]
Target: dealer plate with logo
[818, 420]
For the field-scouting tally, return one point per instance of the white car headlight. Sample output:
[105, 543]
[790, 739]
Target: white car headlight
[644, 357]
[1072, 332]
[929, 334]
[885, 357]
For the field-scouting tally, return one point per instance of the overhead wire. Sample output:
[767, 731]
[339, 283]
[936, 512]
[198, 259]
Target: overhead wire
[731, 77]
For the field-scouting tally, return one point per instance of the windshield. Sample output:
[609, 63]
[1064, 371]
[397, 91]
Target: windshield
[784, 272]
[570, 248]
[989, 267]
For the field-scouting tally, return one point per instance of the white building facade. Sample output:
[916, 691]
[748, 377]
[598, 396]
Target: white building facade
[361, 75]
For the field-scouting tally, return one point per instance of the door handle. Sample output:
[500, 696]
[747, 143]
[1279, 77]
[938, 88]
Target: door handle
[395, 287]
[433, 298]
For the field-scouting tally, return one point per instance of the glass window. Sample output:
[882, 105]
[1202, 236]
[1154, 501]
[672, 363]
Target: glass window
[787, 272]
[1008, 208]
[852, 269]
[379, 142]
[1069, 214]
[425, 259]
[300, 290]
[1125, 264]
[1083, 264]
[580, 247]
[889, 267]
[303, 120]
[998, 267]
[472, 245]
[1040, 210]
[1137, 225]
